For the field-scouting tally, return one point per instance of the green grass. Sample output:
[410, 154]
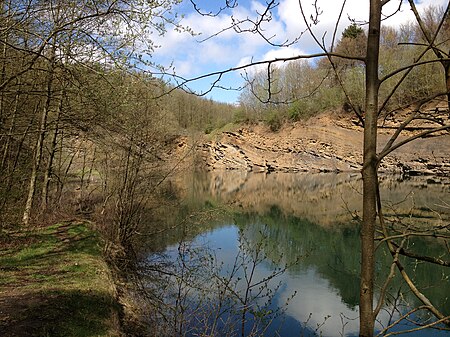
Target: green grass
[230, 127]
[63, 285]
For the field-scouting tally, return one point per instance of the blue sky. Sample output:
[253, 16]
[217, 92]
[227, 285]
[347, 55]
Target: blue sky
[194, 56]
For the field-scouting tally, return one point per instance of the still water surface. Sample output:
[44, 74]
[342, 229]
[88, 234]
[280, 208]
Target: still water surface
[248, 226]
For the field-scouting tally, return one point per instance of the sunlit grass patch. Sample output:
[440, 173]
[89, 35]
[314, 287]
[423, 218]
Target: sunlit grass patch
[62, 281]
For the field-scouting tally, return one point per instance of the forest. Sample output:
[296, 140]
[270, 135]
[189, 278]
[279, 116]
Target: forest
[67, 95]
[88, 121]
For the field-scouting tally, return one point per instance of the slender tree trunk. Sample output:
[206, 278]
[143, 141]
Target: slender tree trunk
[4, 39]
[35, 168]
[63, 176]
[10, 131]
[447, 82]
[369, 173]
[52, 151]
[15, 162]
[39, 144]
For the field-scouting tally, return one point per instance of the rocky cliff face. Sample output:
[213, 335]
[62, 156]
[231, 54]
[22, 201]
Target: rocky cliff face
[327, 143]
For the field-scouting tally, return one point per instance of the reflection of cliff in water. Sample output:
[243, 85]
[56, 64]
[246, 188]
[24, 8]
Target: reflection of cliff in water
[325, 199]
[310, 216]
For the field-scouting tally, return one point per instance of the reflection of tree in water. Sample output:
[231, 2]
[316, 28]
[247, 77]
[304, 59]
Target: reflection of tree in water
[314, 216]
[334, 255]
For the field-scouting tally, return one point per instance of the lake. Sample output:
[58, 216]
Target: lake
[278, 254]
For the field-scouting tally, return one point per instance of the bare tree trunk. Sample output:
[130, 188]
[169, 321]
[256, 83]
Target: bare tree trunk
[49, 168]
[369, 173]
[36, 164]
[14, 165]
[39, 144]
[4, 39]
[9, 135]
[447, 83]
[63, 176]
[4, 56]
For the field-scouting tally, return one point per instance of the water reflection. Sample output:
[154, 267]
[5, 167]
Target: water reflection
[314, 218]
[325, 199]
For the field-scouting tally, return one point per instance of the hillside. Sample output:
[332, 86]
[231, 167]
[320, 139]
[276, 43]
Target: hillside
[325, 143]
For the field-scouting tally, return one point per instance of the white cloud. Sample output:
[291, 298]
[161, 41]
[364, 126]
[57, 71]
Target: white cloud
[405, 13]
[327, 14]
[244, 61]
[287, 24]
[184, 68]
[289, 12]
[282, 53]
[229, 48]
[316, 299]
[270, 55]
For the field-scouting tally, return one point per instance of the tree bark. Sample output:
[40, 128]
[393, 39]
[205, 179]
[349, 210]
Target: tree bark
[36, 163]
[10, 132]
[369, 173]
[52, 152]
[39, 143]
[447, 84]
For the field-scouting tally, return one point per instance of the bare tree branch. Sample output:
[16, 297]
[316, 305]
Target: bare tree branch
[425, 258]
[410, 139]
[182, 81]
[400, 267]
[229, 4]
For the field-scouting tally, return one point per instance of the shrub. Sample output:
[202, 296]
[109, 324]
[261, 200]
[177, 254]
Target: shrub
[273, 120]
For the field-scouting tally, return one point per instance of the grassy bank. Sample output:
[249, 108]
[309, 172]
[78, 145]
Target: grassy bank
[54, 282]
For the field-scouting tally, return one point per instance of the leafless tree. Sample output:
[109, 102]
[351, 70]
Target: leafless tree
[374, 107]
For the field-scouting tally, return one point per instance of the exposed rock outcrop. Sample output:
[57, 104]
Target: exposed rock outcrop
[327, 143]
